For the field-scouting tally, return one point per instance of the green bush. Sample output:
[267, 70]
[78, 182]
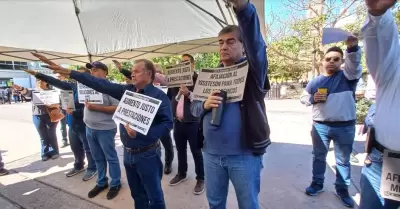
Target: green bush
[362, 106]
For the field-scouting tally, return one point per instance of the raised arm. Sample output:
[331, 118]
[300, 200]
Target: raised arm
[101, 85]
[352, 64]
[253, 41]
[54, 82]
[382, 48]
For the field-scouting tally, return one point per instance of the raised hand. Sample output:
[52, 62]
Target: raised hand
[32, 72]
[379, 7]
[238, 4]
[117, 64]
[351, 41]
[52, 66]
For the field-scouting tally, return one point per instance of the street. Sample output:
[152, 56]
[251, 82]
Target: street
[286, 173]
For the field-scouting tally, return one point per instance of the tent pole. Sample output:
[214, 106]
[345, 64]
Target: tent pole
[77, 11]
[219, 21]
[220, 9]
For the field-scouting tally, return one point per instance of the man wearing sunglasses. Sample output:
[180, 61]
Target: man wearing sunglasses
[332, 96]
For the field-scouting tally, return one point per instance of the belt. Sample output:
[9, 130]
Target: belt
[142, 149]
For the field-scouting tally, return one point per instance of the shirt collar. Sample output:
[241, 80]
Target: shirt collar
[240, 60]
[148, 88]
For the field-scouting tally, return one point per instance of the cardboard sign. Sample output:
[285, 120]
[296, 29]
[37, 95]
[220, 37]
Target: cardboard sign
[87, 94]
[67, 100]
[390, 179]
[137, 110]
[230, 79]
[179, 74]
[47, 97]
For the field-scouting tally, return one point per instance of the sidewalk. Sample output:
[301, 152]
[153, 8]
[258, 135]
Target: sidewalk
[287, 169]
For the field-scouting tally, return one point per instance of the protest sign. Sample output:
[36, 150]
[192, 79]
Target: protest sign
[67, 100]
[87, 94]
[390, 179]
[47, 97]
[179, 74]
[334, 35]
[137, 110]
[230, 79]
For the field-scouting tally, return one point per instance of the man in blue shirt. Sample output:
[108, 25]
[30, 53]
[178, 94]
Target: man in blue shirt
[332, 96]
[229, 150]
[142, 154]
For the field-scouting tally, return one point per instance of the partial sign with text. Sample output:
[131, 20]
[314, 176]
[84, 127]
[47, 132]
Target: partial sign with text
[390, 179]
[137, 110]
[67, 100]
[230, 79]
[179, 74]
[48, 97]
[86, 94]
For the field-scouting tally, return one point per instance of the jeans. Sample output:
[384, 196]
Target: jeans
[63, 128]
[80, 147]
[168, 148]
[102, 145]
[47, 133]
[144, 173]
[370, 185]
[244, 172]
[184, 133]
[343, 138]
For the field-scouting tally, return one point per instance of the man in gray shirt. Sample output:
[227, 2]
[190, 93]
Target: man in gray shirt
[100, 133]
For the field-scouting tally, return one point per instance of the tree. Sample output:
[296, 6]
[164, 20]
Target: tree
[306, 22]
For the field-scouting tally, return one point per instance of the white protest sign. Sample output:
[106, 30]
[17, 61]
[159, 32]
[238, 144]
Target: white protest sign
[390, 179]
[230, 79]
[137, 110]
[334, 35]
[87, 94]
[179, 74]
[47, 97]
[67, 100]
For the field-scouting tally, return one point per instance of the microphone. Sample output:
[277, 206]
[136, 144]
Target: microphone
[216, 114]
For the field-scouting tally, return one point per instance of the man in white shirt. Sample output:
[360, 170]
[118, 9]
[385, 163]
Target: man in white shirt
[382, 49]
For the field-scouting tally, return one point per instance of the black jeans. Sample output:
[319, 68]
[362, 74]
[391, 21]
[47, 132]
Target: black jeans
[63, 128]
[168, 148]
[183, 133]
[47, 133]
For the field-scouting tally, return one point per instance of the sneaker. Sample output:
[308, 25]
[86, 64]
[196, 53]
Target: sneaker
[167, 169]
[89, 175]
[45, 158]
[55, 156]
[344, 196]
[65, 144]
[199, 188]
[4, 172]
[314, 189]
[113, 192]
[74, 171]
[96, 190]
[177, 180]
[353, 158]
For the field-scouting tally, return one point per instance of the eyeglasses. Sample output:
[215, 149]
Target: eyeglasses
[335, 59]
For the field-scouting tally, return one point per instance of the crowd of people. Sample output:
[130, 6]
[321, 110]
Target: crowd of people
[234, 150]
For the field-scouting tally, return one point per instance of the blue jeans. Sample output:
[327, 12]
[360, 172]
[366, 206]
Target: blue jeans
[343, 138]
[47, 134]
[102, 145]
[144, 173]
[80, 147]
[244, 172]
[370, 185]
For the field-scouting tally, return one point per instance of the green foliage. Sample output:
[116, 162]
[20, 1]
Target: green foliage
[114, 74]
[362, 106]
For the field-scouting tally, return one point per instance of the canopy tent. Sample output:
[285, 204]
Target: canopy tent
[80, 31]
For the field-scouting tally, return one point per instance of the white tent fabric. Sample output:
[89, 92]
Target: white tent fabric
[79, 31]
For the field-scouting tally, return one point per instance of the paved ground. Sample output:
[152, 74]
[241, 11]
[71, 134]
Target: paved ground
[287, 169]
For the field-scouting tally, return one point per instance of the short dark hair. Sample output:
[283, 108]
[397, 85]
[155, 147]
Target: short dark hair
[334, 49]
[149, 66]
[231, 29]
[190, 57]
